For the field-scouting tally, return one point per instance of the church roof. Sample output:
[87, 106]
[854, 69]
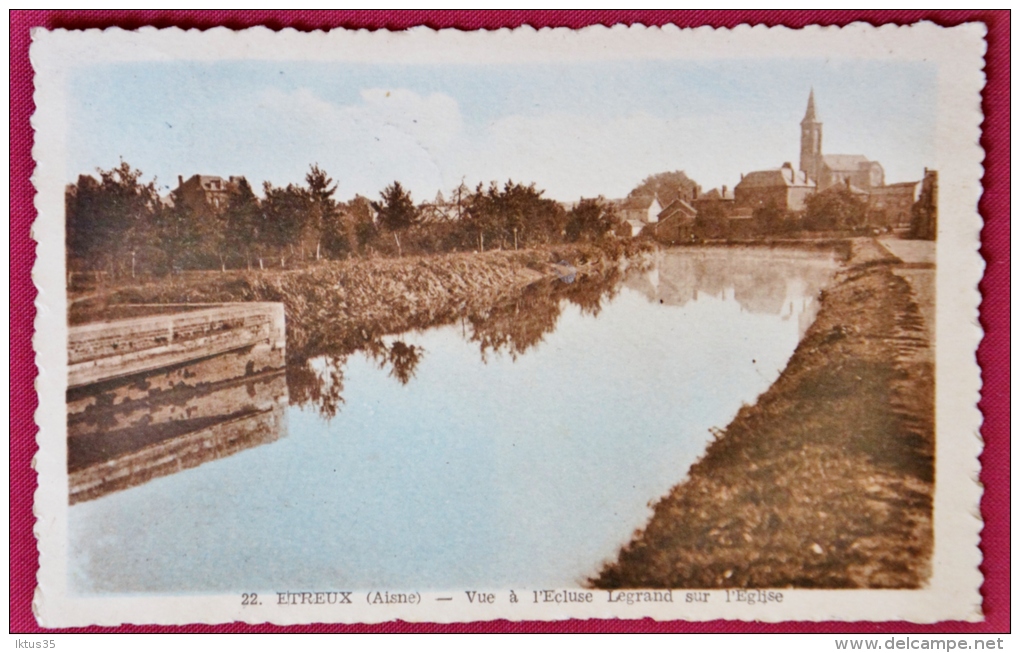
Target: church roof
[845, 162]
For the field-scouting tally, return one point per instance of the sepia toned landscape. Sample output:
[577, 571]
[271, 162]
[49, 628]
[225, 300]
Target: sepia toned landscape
[279, 385]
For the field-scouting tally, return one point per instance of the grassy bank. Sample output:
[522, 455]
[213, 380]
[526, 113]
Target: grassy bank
[827, 481]
[355, 299]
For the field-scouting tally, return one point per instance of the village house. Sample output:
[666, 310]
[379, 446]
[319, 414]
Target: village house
[678, 208]
[890, 206]
[636, 213]
[206, 193]
[784, 188]
[676, 222]
[643, 208]
[717, 197]
[439, 210]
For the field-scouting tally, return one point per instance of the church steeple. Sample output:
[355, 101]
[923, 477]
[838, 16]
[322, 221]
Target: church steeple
[810, 140]
[809, 115]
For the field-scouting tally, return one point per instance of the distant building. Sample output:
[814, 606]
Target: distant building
[206, 193]
[721, 197]
[810, 140]
[828, 170]
[924, 213]
[630, 228]
[636, 213]
[676, 222]
[642, 208]
[853, 169]
[785, 188]
[439, 210]
[678, 208]
[890, 206]
[715, 209]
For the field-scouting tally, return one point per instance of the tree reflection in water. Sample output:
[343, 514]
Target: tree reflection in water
[316, 378]
[403, 360]
[522, 323]
[322, 388]
[319, 381]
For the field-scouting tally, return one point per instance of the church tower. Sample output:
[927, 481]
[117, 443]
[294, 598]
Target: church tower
[810, 141]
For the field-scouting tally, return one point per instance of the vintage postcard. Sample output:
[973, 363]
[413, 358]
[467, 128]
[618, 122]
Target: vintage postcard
[447, 326]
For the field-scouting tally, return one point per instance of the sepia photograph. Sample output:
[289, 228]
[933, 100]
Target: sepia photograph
[530, 330]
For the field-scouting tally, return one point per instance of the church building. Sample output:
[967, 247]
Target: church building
[828, 170]
[786, 189]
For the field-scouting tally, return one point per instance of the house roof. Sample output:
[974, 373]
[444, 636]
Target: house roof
[717, 195]
[207, 182]
[677, 207]
[897, 187]
[776, 177]
[845, 162]
[640, 202]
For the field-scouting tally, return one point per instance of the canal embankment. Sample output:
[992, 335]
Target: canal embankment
[827, 480]
[360, 298]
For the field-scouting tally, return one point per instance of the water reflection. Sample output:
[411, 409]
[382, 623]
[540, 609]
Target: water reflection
[319, 382]
[116, 440]
[511, 327]
[761, 281]
[519, 325]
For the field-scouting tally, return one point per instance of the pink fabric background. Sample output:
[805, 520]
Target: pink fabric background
[993, 353]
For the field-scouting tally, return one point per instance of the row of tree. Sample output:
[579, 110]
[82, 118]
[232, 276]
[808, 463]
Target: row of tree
[117, 223]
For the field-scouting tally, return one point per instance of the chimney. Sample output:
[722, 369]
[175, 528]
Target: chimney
[724, 190]
[180, 180]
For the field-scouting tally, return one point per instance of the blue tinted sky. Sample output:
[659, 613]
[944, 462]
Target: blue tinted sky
[575, 129]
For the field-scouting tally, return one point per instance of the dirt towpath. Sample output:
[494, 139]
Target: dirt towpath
[827, 481]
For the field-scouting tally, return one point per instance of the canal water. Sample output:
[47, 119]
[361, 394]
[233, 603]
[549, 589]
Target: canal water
[519, 446]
